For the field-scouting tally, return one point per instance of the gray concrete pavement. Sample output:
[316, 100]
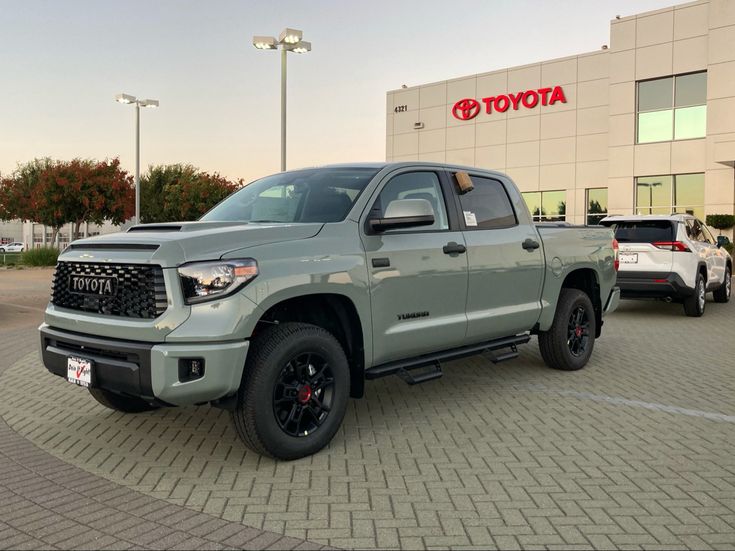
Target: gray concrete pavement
[635, 451]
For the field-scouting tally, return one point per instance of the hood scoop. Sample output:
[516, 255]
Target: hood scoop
[155, 227]
[113, 247]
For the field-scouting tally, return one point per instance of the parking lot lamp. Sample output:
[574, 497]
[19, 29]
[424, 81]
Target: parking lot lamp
[128, 99]
[290, 40]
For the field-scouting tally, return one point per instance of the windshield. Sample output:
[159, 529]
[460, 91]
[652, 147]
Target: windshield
[312, 195]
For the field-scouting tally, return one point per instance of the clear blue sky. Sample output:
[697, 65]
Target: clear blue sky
[61, 63]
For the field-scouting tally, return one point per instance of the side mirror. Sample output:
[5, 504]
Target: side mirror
[722, 240]
[404, 213]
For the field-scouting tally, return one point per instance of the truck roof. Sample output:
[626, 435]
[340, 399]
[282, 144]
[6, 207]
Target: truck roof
[402, 164]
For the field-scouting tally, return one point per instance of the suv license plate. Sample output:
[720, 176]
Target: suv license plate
[628, 258]
[79, 371]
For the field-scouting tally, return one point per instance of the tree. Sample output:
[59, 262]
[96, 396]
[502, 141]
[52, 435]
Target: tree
[595, 212]
[15, 191]
[181, 192]
[721, 221]
[55, 193]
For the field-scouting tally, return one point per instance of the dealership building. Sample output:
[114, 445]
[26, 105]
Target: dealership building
[644, 125]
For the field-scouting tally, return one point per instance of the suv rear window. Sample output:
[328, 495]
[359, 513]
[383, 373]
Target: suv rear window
[642, 231]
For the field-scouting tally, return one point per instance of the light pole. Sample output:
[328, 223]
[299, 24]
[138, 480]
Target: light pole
[650, 187]
[289, 41]
[126, 98]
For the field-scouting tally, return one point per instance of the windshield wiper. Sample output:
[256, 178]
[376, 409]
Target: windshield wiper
[266, 221]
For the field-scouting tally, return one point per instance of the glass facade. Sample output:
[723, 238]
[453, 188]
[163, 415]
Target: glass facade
[546, 206]
[672, 108]
[596, 205]
[682, 193]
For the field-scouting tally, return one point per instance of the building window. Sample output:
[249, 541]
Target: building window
[546, 206]
[596, 205]
[672, 108]
[682, 193]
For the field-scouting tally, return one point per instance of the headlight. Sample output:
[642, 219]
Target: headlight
[202, 281]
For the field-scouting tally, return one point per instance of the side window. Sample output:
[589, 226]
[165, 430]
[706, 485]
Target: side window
[707, 234]
[416, 185]
[487, 206]
[695, 231]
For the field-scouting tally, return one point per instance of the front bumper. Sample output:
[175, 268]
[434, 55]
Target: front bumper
[653, 285]
[147, 370]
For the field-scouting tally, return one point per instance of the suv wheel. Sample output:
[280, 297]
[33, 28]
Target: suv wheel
[694, 305]
[722, 294]
[568, 344]
[294, 391]
[118, 402]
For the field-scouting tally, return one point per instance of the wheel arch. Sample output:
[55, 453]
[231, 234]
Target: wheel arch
[586, 280]
[333, 312]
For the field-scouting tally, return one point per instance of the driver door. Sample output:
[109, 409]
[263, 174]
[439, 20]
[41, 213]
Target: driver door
[418, 276]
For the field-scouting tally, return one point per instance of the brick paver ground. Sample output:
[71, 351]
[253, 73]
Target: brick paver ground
[635, 451]
[47, 503]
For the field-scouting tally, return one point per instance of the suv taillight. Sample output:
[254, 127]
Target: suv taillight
[676, 246]
[616, 249]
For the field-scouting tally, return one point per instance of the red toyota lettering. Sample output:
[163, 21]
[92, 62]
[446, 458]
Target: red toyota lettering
[530, 99]
[515, 99]
[469, 108]
[544, 95]
[557, 95]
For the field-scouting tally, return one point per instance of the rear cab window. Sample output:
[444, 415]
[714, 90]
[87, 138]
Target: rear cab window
[643, 231]
[487, 206]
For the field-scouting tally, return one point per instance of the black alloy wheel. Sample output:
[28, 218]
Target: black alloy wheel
[294, 391]
[578, 332]
[569, 342]
[303, 394]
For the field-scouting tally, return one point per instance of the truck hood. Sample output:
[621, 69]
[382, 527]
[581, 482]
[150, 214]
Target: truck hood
[172, 244]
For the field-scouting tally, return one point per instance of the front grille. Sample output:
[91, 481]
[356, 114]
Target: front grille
[140, 293]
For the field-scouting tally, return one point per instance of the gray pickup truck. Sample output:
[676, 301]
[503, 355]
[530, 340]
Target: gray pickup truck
[283, 299]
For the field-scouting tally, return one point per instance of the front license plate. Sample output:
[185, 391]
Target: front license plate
[79, 371]
[628, 258]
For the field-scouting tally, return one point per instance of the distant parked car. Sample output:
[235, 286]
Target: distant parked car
[15, 247]
[671, 257]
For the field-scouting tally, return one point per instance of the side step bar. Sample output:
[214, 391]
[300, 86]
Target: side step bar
[432, 362]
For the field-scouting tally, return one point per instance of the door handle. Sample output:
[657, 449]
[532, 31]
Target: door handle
[454, 248]
[530, 244]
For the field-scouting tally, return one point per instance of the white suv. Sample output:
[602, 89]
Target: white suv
[671, 257]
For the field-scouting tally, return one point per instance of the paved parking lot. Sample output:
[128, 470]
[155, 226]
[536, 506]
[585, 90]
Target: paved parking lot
[635, 451]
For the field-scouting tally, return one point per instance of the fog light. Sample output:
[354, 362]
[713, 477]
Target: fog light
[190, 369]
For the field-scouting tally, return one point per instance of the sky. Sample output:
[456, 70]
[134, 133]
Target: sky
[63, 61]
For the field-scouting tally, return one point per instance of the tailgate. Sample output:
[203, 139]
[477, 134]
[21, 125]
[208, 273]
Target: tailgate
[638, 241]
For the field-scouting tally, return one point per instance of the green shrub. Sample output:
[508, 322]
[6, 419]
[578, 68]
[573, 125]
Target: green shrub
[720, 221]
[44, 256]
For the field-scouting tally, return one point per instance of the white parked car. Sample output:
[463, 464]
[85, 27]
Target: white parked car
[16, 247]
[671, 257]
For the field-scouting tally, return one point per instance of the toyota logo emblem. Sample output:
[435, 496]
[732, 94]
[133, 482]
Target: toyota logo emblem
[466, 109]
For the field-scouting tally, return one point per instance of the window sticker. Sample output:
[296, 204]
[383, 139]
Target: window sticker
[469, 218]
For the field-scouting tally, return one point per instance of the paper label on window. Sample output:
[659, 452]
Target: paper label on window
[469, 218]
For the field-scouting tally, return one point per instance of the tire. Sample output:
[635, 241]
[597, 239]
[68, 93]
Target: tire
[118, 402]
[723, 292]
[694, 305]
[294, 391]
[568, 344]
